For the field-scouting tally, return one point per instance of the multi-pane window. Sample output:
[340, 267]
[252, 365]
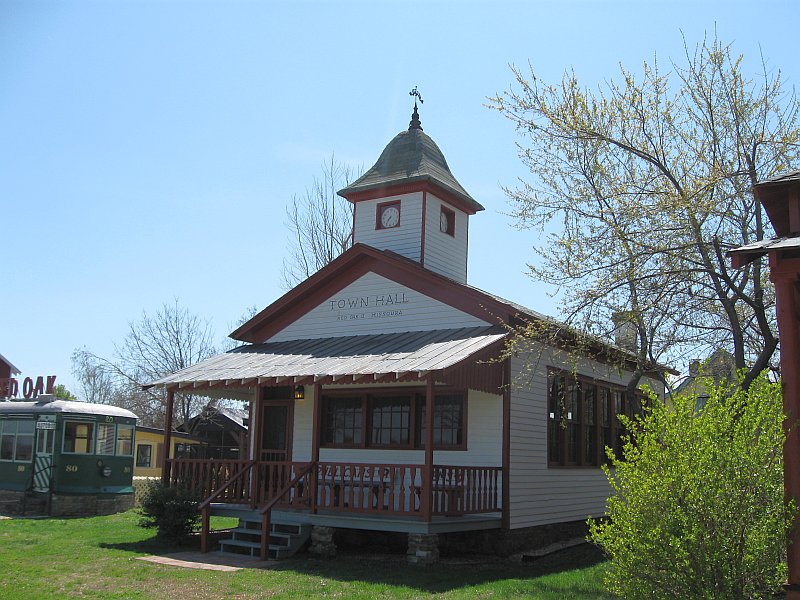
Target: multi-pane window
[589, 419]
[393, 421]
[582, 420]
[604, 406]
[342, 422]
[16, 440]
[554, 418]
[448, 421]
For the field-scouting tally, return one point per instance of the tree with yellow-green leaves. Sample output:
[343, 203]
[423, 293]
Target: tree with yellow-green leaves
[641, 186]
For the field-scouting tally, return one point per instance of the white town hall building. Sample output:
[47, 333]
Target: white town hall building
[381, 398]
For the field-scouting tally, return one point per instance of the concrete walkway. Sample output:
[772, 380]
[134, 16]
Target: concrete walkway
[210, 561]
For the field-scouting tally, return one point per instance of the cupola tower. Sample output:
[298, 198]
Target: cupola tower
[410, 203]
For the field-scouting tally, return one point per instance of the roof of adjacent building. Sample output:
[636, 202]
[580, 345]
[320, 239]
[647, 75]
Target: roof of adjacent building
[14, 370]
[47, 405]
[412, 156]
[791, 176]
[360, 357]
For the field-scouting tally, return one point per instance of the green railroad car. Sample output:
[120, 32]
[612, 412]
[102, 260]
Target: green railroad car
[65, 457]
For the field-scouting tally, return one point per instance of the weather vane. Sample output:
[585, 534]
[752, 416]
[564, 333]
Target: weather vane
[416, 94]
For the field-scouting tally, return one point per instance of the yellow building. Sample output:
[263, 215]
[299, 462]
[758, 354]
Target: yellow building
[150, 450]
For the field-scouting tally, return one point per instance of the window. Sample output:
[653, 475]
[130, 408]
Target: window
[392, 421]
[342, 422]
[144, 455]
[124, 440]
[447, 221]
[78, 437]
[16, 440]
[582, 420]
[105, 438]
[448, 421]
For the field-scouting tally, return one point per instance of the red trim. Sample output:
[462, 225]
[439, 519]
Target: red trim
[424, 219]
[408, 188]
[167, 436]
[350, 266]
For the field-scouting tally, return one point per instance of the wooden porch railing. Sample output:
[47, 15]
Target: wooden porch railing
[391, 490]
[466, 490]
[237, 482]
[296, 492]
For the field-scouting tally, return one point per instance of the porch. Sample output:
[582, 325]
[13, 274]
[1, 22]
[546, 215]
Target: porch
[385, 497]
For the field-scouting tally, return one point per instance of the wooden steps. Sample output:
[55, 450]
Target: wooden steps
[285, 537]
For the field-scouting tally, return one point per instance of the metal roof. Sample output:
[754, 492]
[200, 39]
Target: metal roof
[416, 352]
[410, 157]
[45, 406]
[763, 246]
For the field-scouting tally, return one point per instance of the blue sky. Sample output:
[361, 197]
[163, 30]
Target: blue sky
[148, 149]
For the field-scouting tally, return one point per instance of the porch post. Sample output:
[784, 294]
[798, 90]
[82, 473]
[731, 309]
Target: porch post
[315, 433]
[256, 442]
[506, 483]
[165, 465]
[315, 425]
[427, 486]
[257, 425]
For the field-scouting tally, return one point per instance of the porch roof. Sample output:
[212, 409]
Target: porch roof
[457, 356]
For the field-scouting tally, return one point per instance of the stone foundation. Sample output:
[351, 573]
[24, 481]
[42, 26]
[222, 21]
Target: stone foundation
[322, 544]
[423, 549]
[89, 506]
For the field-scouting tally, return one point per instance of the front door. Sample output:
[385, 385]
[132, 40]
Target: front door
[276, 436]
[43, 458]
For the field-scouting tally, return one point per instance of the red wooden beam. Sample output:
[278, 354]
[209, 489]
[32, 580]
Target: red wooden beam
[167, 435]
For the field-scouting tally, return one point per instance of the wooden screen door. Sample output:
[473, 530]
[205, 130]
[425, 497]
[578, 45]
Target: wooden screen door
[276, 431]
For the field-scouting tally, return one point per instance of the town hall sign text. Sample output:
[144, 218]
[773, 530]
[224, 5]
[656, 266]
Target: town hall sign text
[375, 306]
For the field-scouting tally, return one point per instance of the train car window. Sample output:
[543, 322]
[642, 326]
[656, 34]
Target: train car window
[105, 438]
[16, 440]
[78, 437]
[124, 440]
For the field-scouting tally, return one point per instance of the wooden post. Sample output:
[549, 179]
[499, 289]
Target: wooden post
[427, 485]
[506, 483]
[256, 428]
[315, 428]
[265, 527]
[315, 434]
[785, 276]
[165, 465]
[205, 527]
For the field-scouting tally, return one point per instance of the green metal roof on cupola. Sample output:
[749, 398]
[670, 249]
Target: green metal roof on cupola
[411, 157]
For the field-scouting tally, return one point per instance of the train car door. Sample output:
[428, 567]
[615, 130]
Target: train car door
[43, 457]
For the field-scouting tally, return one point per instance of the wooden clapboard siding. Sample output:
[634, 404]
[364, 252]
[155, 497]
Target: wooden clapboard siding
[419, 313]
[540, 495]
[445, 254]
[406, 239]
[484, 430]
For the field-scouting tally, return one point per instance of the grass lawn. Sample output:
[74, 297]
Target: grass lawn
[95, 558]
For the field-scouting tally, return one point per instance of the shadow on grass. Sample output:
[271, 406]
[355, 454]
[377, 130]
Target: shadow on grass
[507, 578]
[447, 576]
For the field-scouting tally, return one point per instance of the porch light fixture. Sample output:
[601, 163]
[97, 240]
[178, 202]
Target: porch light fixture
[300, 393]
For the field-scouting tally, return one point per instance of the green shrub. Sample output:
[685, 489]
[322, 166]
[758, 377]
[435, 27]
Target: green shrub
[173, 512]
[698, 509]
